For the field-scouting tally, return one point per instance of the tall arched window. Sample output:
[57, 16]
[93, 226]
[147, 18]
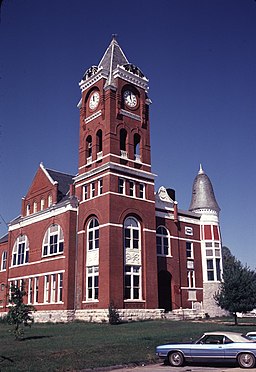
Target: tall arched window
[99, 141]
[162, 241]
[137, 147]
[131, 233]
[93, 234]
[53, 242]
[132, 269]
[89, 148]
[20, 252]
[123, 139]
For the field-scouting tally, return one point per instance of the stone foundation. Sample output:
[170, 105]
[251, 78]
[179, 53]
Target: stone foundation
[210, 306]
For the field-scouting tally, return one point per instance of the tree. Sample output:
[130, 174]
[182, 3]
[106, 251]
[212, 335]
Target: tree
[237, 293]
[19, 313]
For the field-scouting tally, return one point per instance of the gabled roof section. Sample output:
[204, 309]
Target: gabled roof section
[63, 180]
[4, 239]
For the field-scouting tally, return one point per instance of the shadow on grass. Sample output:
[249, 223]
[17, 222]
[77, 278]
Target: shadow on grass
[34, 338]
[3, 358]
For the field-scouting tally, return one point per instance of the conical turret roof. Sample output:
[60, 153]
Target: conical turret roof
[202, 193]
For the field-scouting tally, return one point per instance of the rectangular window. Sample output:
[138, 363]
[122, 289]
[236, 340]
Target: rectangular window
[4, 260]
[53, 288]
[132, 282]
[208, 244]
[85, 192]
[60, 287]
[218, 270]
[121, 186]
[210, 270]
[36, 281]
[191, 279]
[46, 288]
[209, 252]
[141, 191]
[92, 189]
[189, 250]
[92, 283]
[100, 187]
[53, 243]
[131, 188]
[30, 290]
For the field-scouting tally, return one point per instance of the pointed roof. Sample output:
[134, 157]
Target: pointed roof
[113, 56]
[113, 60]
[202, 193]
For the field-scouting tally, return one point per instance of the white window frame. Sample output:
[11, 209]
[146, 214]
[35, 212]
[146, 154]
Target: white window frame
[93, 190]
[46, 288]
[92, 290]
[85, 192]
[121, 186]
[30, 290]
[191, 279]
[60, 288]
[132, 234]
[53, 288]
[20, 257]
[93, 234]
[36, 289]
[53, 242]
[142, 189]
[132, 272]
[100, 186]
[132, 188]
[4, 261]
[191, 257]
[42, 203]
[163, 237]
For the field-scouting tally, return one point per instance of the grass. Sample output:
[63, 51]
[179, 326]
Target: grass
[76, 346]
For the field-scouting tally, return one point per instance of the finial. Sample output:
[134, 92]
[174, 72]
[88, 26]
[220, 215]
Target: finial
[201, 171]
[114, 36]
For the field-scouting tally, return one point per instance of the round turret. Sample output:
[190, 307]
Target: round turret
[203, 197]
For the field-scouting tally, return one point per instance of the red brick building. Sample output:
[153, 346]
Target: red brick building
[104, 236]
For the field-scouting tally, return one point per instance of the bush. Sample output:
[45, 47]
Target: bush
[113, 315]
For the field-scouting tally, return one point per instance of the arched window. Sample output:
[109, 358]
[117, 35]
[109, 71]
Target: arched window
[49, 200]
[132, 268]
[42, 204]
[137, 147]
[93, 234]
[28, 210]
[4, 261]
[53, 242]
[89, 148]
[20, 252]
[131, 233]
[123, 139]
[99, 141]
[35, 207]
[162, 241]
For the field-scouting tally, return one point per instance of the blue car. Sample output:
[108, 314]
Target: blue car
[226, 347]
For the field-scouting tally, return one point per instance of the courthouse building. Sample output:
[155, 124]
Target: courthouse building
[105, 236]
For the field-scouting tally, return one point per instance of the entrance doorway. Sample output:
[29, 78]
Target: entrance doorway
[164, 290]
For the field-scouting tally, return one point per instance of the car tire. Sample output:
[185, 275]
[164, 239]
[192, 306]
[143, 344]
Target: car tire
[176, 359]
[246, 360]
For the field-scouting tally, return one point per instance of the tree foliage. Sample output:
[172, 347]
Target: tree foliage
[237, 293]
[19, 314]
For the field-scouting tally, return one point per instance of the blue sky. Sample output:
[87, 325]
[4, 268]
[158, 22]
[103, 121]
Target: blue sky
[200, 58]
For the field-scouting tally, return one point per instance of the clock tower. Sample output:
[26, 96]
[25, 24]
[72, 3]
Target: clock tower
[116, 249]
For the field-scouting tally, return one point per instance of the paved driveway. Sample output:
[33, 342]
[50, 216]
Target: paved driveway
[191, 368]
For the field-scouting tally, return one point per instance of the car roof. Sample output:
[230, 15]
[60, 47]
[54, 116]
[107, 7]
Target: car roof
[225, 333]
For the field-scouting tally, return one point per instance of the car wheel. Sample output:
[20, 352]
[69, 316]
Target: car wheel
[176, 359]
[246, 360]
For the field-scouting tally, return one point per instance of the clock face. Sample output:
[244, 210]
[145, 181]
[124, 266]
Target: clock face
[94, 100]
[130, 99]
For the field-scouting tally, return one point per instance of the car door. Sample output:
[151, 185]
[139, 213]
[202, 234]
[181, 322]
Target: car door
[210, 348]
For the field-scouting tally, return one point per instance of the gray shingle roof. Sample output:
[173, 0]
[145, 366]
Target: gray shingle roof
[64, 181]
[202, 193]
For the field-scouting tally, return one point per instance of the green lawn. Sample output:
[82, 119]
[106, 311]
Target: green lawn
[69, 347]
